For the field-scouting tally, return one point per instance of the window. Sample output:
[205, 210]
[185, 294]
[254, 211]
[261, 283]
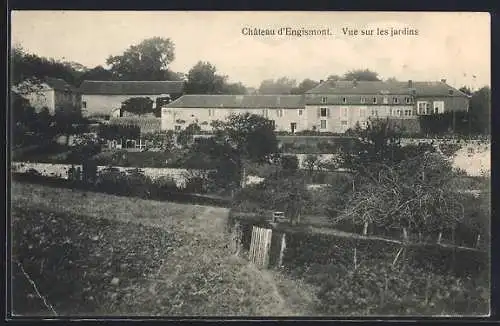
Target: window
[374, 100]
[323, 112]
[421, 107]
[211, 112]
[344, 100]
[300, 112]
[323, 124]
[408, 112]
[323, 100]
[273, 123]
[428, 108]
[264, 113]
[395, 100]
[438, 107]
[386, 100]
[363, 100]
[84, 104]
[398, 112]
[407, 100]
[279, 112]
[343, 123]
[374, 113]
[344, 112]
[177, 128]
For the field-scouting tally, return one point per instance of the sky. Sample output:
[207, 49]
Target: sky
[450, 45]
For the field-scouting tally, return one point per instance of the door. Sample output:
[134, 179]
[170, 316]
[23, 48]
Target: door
[293, 127]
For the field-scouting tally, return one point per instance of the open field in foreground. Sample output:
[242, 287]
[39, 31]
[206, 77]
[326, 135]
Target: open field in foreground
[96, 254]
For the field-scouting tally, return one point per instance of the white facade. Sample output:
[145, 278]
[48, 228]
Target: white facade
[285, 119]
[102, 104]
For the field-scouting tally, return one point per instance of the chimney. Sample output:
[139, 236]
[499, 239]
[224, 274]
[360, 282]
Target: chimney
[410, 83]
[443, 81]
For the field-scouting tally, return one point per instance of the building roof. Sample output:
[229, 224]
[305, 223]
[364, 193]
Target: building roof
[238, 101]
[422, 89]
[58, 84]
[97, 87]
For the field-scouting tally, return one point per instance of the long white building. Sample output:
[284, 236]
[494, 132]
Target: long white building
[332, 106]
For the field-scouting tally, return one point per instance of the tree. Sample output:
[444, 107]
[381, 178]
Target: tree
[138, 105]
[360, 74]
[186, 135]
[148, 60]
[96, 73]
[203, 79]
[333, 77]
[234, 89]
[283, 85]
[251, 136]
[480, 110]
[304, 86]
[391, 79]
[32, 68]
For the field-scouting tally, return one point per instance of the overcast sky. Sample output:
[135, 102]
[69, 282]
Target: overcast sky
[454, 46]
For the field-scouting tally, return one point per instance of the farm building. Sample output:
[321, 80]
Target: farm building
[105, 98]
[332, 106]
[55, 94]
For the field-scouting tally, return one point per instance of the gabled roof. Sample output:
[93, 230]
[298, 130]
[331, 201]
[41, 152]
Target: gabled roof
[238, 101]
[382, 87]
[58, 84]
[95, 87]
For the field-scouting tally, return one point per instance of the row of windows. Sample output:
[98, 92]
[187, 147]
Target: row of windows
[374, 100]
[422, 108]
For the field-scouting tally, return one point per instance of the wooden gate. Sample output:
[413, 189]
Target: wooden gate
[260, 246]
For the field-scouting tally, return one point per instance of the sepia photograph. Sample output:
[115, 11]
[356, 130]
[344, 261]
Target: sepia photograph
[249, 164]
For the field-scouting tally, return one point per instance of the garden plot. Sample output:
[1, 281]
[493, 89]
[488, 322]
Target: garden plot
[96, 254]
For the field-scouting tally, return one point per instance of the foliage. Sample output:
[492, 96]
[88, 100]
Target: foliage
[414, 194]
[116, 132]
[251, 135]
[289, 163]
[131, 183]
[281, 192]
[31, 67]
[283, 85]
[304, 86]
[203, 79]
[360, 74]
[443, 123]
[379, 288]
[148, 60]
[138, 105]
[480, 111]
[185, 136]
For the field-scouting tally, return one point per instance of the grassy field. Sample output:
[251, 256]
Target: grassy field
[97, 254]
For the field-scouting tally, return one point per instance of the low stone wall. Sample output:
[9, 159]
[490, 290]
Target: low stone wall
[180, 176]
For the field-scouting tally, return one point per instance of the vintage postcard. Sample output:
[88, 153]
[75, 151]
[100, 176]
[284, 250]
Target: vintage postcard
[249, 164]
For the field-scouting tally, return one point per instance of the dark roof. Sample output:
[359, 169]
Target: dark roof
[382, 87]
[131, 87]
[58, 84]
[238, 101]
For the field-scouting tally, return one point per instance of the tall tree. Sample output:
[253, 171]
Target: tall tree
[360, 74]
[234, 89]
[30, 67]
[203, 79]
[304, 86]
[480, 110]
[96, 73]
[148, 60]
[283, 85]
[251, 136]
